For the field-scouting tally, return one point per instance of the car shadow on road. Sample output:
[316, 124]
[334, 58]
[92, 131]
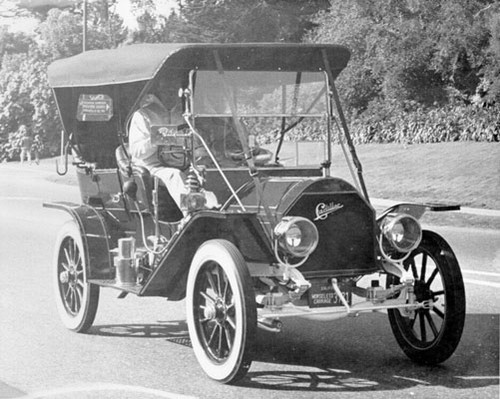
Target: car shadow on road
[362, 355]
[348, 355]
[173, 331]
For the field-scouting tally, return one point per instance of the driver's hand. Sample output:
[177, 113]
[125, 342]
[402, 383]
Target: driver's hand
[200, 153]
[199, 171]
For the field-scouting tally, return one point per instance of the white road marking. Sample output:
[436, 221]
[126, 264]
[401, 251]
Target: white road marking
[106, 387]
[481, 282]
[481, 273]
[412, 380]
[339, 371]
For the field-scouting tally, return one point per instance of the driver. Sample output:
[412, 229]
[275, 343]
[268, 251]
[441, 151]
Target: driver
[223, 140]
[145, 153]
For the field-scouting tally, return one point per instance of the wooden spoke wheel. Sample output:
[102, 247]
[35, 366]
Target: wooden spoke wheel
[221, 311]
[433, 335]
[76, 299]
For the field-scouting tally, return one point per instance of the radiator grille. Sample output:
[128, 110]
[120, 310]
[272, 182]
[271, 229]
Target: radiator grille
[346, 226]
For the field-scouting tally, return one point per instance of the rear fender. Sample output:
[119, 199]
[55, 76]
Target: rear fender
[95, 235]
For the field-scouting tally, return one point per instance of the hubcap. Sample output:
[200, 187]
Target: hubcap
[64, 277]
[209, 312]
[220, 311]
[422, 291]
[424, 329]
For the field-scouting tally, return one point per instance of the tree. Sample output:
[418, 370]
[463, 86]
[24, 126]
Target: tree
[489, 87]
[406, 50]
[61, 33]
[224, 21]
[25, 99]
[25, 96]
[153, 27]
[13, 43]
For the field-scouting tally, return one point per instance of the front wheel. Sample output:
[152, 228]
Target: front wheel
[433, 335]
[76, 299]
[221, 311]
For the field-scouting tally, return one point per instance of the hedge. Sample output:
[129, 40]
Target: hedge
[435, 125]
[449, 123]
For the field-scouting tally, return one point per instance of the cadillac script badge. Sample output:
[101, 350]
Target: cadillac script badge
[323, 210]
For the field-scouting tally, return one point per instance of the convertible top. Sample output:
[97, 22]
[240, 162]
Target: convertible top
[141, 62]
[97, 91]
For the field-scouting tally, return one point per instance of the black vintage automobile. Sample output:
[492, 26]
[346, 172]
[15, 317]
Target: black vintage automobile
[288, 239]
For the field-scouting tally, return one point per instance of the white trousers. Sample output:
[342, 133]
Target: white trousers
[174, 180]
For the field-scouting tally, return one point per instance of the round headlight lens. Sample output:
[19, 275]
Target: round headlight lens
[403, 232]
[296, 235]
[293, 236]
[397, 232]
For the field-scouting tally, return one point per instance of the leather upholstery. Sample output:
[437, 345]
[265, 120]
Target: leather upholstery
[168, 209]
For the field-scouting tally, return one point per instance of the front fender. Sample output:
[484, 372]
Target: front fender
[242, 229]
[417, 210]
[95, 235]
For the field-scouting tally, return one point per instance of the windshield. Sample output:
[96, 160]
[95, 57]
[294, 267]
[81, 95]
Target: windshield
[263, 94]
[273, 108]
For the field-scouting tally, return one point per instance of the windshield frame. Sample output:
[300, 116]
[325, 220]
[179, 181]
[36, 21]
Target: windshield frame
[288, 120]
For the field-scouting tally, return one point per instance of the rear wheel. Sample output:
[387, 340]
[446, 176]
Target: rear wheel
[433, 335]
[76, 299]
[221, 311]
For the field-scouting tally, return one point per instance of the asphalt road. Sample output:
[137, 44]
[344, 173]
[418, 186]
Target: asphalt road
[139, 347]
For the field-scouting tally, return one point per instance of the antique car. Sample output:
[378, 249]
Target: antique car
[287, 239]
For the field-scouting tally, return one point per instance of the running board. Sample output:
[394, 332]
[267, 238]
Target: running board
[125, 288]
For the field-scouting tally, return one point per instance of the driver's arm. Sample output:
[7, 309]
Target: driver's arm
[140, 145]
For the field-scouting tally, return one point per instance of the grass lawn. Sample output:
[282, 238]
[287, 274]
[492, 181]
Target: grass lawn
[465, 173]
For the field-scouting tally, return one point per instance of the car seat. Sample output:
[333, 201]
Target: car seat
[168, 210]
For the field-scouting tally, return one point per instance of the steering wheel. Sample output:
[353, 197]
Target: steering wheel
[261, 156]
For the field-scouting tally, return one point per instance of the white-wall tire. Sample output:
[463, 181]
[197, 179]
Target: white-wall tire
[221, 311]
[76, 299]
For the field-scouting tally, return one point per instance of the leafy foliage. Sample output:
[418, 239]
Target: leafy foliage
[153, 27]
[61, 33]
[490, 84]
[225, 21]
[13, 43]
[25, 99]
[25, 96]
[409, 49]
[452, 122]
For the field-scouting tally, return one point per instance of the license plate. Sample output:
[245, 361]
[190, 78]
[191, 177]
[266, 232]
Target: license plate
[322, 294]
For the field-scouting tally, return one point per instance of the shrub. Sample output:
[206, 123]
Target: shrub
[412, 124]
[418, 125]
